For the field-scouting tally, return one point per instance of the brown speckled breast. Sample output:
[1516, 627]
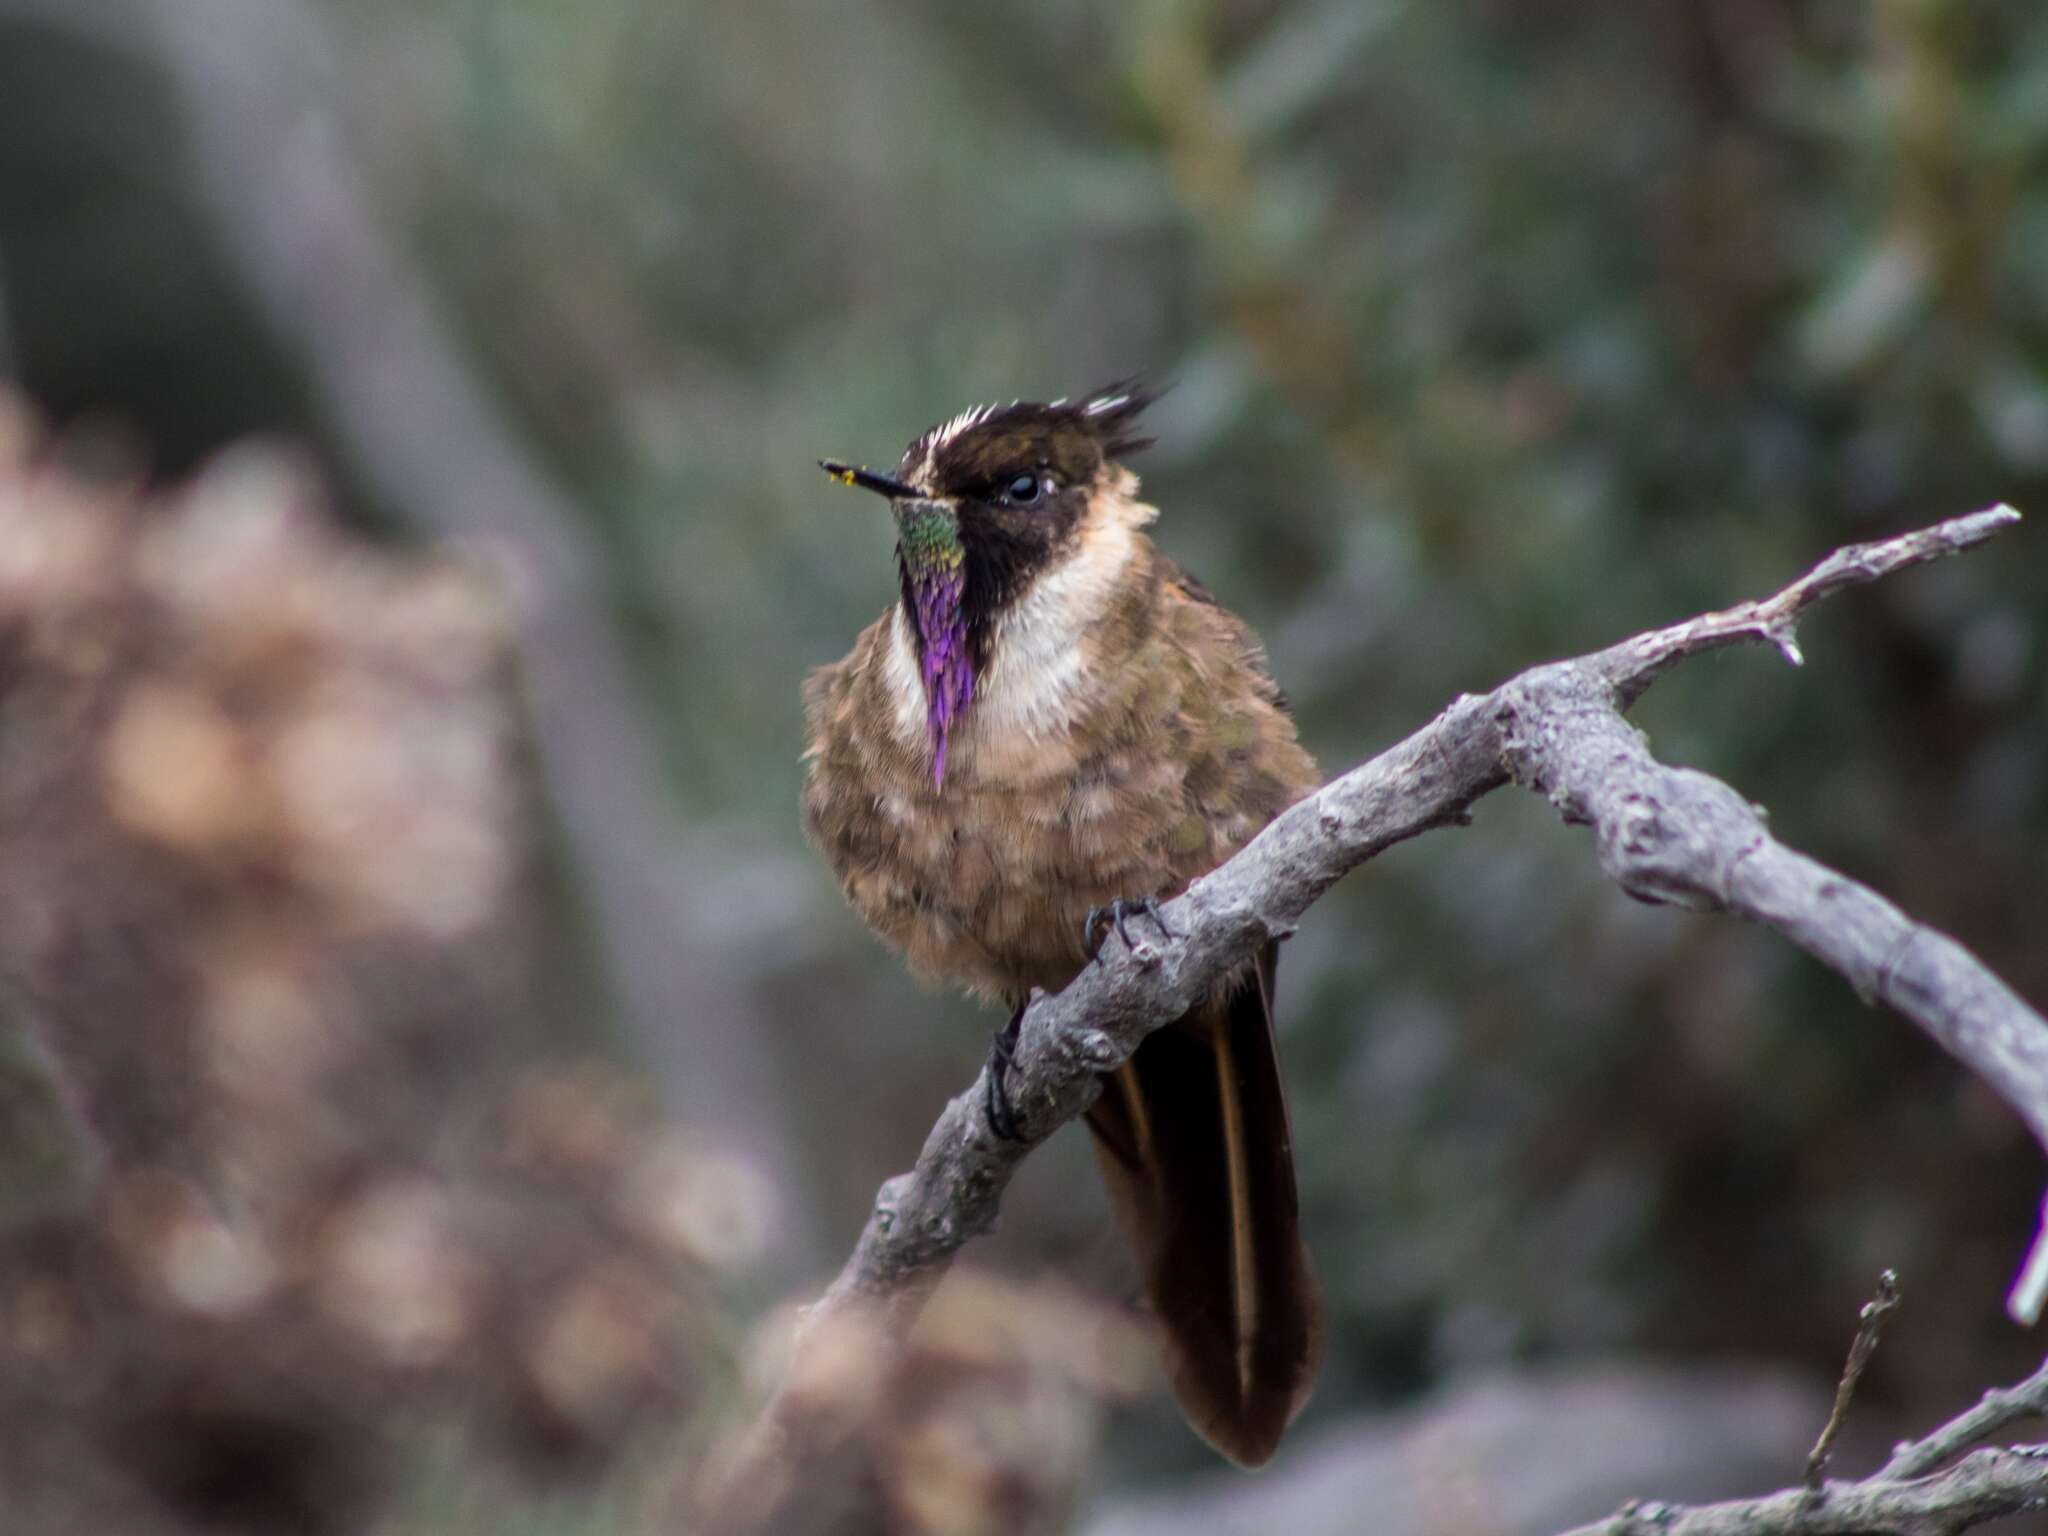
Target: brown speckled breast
[1125, 739]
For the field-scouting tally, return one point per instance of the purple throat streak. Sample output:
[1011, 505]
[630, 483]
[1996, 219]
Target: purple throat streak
[943, 661]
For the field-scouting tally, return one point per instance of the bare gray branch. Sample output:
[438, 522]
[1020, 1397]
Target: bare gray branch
[1994, 1411]
[1664, 834]
[1984, 1486]
[1907, 1497]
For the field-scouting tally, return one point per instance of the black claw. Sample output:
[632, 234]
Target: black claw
[1150, 907]
[1117, 914]
[1002, 1114]
[1090, 925]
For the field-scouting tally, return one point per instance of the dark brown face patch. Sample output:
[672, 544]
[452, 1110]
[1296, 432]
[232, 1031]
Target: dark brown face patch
[1007, 549]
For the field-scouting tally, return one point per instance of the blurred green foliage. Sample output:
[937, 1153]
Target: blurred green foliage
[1499, 329]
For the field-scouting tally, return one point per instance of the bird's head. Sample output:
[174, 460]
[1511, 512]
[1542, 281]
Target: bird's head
[988, 504]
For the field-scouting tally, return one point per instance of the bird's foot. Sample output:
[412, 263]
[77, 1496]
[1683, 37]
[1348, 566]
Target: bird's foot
[1117, 914]
[1002, 1114]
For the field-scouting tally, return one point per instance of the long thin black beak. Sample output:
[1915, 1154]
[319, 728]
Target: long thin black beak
[868, 480]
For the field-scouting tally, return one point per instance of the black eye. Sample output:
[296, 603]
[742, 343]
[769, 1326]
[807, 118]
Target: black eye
[1024, 490]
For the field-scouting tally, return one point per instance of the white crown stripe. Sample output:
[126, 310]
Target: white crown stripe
[973, 416]
[939, 436]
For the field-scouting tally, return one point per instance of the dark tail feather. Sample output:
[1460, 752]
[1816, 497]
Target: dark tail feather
[1193, 1139]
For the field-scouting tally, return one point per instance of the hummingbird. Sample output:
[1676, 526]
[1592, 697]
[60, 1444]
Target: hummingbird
[1050, 731]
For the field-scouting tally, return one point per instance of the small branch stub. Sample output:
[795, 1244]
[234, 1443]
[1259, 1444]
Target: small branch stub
[1870, 1325]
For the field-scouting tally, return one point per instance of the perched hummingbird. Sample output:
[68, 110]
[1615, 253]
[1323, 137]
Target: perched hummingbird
[1053, 723]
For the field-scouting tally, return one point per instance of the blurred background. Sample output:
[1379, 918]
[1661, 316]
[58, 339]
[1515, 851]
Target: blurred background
[1496, 330]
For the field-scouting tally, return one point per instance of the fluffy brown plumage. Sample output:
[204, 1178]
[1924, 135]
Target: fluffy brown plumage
[1123, 738]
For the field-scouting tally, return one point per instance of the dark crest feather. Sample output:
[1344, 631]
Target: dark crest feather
[1113, 422]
